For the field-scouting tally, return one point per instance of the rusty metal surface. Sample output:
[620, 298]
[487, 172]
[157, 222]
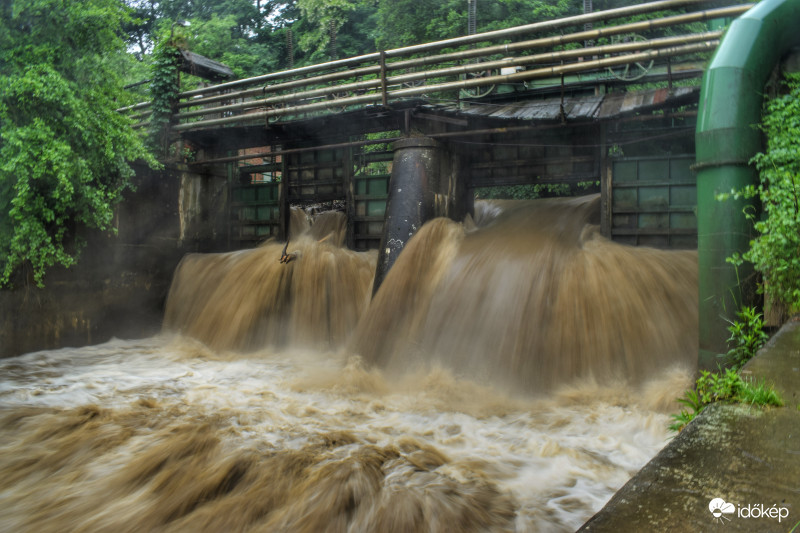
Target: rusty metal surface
[576, 108]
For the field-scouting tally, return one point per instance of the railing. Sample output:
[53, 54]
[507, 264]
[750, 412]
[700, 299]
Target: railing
[462, 68]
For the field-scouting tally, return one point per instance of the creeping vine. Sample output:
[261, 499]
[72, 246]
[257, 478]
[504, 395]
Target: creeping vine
[164, 90]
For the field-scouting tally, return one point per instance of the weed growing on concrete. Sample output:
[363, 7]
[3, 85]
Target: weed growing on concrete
[721, 387]
[747, 336]
[759, 394]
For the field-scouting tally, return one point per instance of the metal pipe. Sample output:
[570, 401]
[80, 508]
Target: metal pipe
[462, 69]
[458, 41]
[411, 200]
[355, 73]
[559, 55]
[726, 140]
[262, 115]
[498, 49]
[461, 84]
[632, 27]
[558, 70]
[576, 20]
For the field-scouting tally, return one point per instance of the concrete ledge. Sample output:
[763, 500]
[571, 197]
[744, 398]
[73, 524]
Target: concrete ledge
[746, 455]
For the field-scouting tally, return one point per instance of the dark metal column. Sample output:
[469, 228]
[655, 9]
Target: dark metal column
[411, 202]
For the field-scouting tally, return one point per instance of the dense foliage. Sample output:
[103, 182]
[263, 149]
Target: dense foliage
[164, 89]
[775, 252]
[255, 36]
[64, 151]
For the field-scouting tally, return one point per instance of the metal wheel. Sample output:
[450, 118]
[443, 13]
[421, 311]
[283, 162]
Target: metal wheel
[478, 92]
[630, 71]
[414, 83]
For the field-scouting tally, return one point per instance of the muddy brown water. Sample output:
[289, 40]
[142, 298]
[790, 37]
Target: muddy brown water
[510, 375]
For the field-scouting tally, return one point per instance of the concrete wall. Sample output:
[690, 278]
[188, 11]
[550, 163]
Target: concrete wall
[746, 455]
[119, 286]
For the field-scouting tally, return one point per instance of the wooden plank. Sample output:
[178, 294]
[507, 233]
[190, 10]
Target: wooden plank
[653, 231]
[533, 162]
[647, 210]
[204, 67]
[646, 183]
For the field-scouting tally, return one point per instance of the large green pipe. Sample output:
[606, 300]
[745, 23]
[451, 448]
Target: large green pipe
[726, 139]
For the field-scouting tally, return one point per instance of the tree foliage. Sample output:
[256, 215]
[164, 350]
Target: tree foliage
[64, 151]
[407, 22]
[250, 36]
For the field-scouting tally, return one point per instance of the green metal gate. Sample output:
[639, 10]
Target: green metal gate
[370, 191]
[654, 201]
[255, 213]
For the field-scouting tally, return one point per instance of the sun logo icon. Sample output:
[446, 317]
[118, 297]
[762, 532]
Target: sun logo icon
[719, 508]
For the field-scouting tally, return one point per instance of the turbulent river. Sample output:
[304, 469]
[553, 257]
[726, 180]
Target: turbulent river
[510, 375]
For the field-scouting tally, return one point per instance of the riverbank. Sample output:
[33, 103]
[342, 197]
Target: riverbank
[743, 455]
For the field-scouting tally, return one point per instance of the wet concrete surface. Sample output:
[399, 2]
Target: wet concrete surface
[747, 456]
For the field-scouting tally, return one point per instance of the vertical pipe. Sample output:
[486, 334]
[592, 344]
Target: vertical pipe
[411, 201]
[726, 139]
[348, 180]
[472, 17]
[284, 210]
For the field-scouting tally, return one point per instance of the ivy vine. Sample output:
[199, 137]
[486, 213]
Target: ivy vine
[164, 89]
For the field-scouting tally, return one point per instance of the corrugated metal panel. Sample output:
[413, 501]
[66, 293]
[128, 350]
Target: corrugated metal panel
[618, 104]
[592, 107]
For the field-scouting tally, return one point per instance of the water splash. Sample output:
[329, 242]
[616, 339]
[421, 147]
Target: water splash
[400, 418]
[247, 299]
[168, 435]
[535, 297]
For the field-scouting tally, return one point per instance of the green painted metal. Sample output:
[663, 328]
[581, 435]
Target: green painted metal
[255, 212]
[370, 194]
[653, 199]
[726, 139]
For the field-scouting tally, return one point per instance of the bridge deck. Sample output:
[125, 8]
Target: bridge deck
[510, 63]
[549, 103]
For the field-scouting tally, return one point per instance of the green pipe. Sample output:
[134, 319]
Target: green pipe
[726, 140]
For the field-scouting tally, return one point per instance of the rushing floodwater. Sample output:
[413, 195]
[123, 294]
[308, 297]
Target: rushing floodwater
[171, 434]
[164, 434]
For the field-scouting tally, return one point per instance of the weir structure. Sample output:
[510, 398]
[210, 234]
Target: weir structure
[396, 137]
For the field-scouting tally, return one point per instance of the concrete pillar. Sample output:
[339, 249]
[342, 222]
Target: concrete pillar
[202, 208]
[419, 168]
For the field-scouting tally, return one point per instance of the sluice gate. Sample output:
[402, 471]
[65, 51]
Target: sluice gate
[551, 104]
